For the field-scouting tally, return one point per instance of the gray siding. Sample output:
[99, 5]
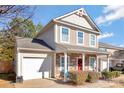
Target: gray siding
[48, 37]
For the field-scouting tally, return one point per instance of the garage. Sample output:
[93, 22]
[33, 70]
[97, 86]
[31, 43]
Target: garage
[34, 59]
[33, 68]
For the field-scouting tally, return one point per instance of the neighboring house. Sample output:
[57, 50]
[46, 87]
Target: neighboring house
[67, 43]
[116, 55]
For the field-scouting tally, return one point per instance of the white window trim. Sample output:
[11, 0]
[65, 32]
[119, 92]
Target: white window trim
[77, 38]
[90, 40]
[61, 35]
[64, 64]
[90, 61]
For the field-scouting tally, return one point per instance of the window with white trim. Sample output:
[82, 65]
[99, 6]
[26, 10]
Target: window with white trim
[62, 63]
[65, 34]
[80, 37]
[92, 40]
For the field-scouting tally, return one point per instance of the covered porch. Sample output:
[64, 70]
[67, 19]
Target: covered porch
[72, 58]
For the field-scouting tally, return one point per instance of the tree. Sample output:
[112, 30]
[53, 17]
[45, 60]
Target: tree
[25, 29]
[10, 12]
[7, 47]
[39, 27]
[7, 38]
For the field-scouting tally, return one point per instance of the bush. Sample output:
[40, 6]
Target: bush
[8, 76]
[107, 75]
[110, 75]
[72, 76]
[116, 74]
[78, 77]
[93, 76]
[12, 76]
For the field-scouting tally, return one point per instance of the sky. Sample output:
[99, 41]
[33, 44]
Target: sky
[110, 19]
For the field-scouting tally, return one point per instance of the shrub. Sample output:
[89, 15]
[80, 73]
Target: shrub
[93, 76]
[78, 77]
[116, 74]
[8, 76]
[109, 75]
[72, 76]
[12, 76]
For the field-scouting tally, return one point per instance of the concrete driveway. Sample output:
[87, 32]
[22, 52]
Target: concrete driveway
[53, 83]
[43, 83]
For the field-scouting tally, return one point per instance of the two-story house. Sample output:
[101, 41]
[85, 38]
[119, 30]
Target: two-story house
[66, 43]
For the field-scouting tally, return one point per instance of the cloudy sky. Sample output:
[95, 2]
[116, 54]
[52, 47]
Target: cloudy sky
[110, 19]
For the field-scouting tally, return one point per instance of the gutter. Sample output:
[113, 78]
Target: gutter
[32, 49]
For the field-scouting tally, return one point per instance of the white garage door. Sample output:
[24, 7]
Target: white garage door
[32, 68]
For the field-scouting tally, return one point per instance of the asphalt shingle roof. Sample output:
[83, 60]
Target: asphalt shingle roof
[30, 43]
[109, 46]
[65, 47]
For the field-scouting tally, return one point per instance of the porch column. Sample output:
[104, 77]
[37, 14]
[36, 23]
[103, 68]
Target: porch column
[97, 63]
[107, 62]
[83, 61]
[65, 67]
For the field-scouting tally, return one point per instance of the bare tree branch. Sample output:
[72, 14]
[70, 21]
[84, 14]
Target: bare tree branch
[10, 12]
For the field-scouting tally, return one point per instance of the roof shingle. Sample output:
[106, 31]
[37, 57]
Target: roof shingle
[30, 43]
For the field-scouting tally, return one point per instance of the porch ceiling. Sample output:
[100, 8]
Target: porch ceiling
[78, 49]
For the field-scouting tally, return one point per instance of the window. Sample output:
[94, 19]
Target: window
[92, 63]
[102, 49]
[65, 35]
[80, 37]
[62, 63]
[92, 40]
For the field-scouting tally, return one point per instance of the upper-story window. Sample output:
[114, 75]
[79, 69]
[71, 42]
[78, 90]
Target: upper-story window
[102, 49]
[92, 40]
[80, 37]
[65, 34]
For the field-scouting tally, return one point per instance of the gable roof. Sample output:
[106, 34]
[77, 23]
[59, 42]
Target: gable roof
[84, 13]
[32, 44]
[109, 46]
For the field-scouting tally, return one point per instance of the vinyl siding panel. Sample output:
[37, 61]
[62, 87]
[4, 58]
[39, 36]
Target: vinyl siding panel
[48, 36]
[73, 36]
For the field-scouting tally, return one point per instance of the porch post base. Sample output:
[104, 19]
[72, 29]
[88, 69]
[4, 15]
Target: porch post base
[19, 79]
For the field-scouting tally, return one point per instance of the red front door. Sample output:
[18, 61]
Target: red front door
[79, 64]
